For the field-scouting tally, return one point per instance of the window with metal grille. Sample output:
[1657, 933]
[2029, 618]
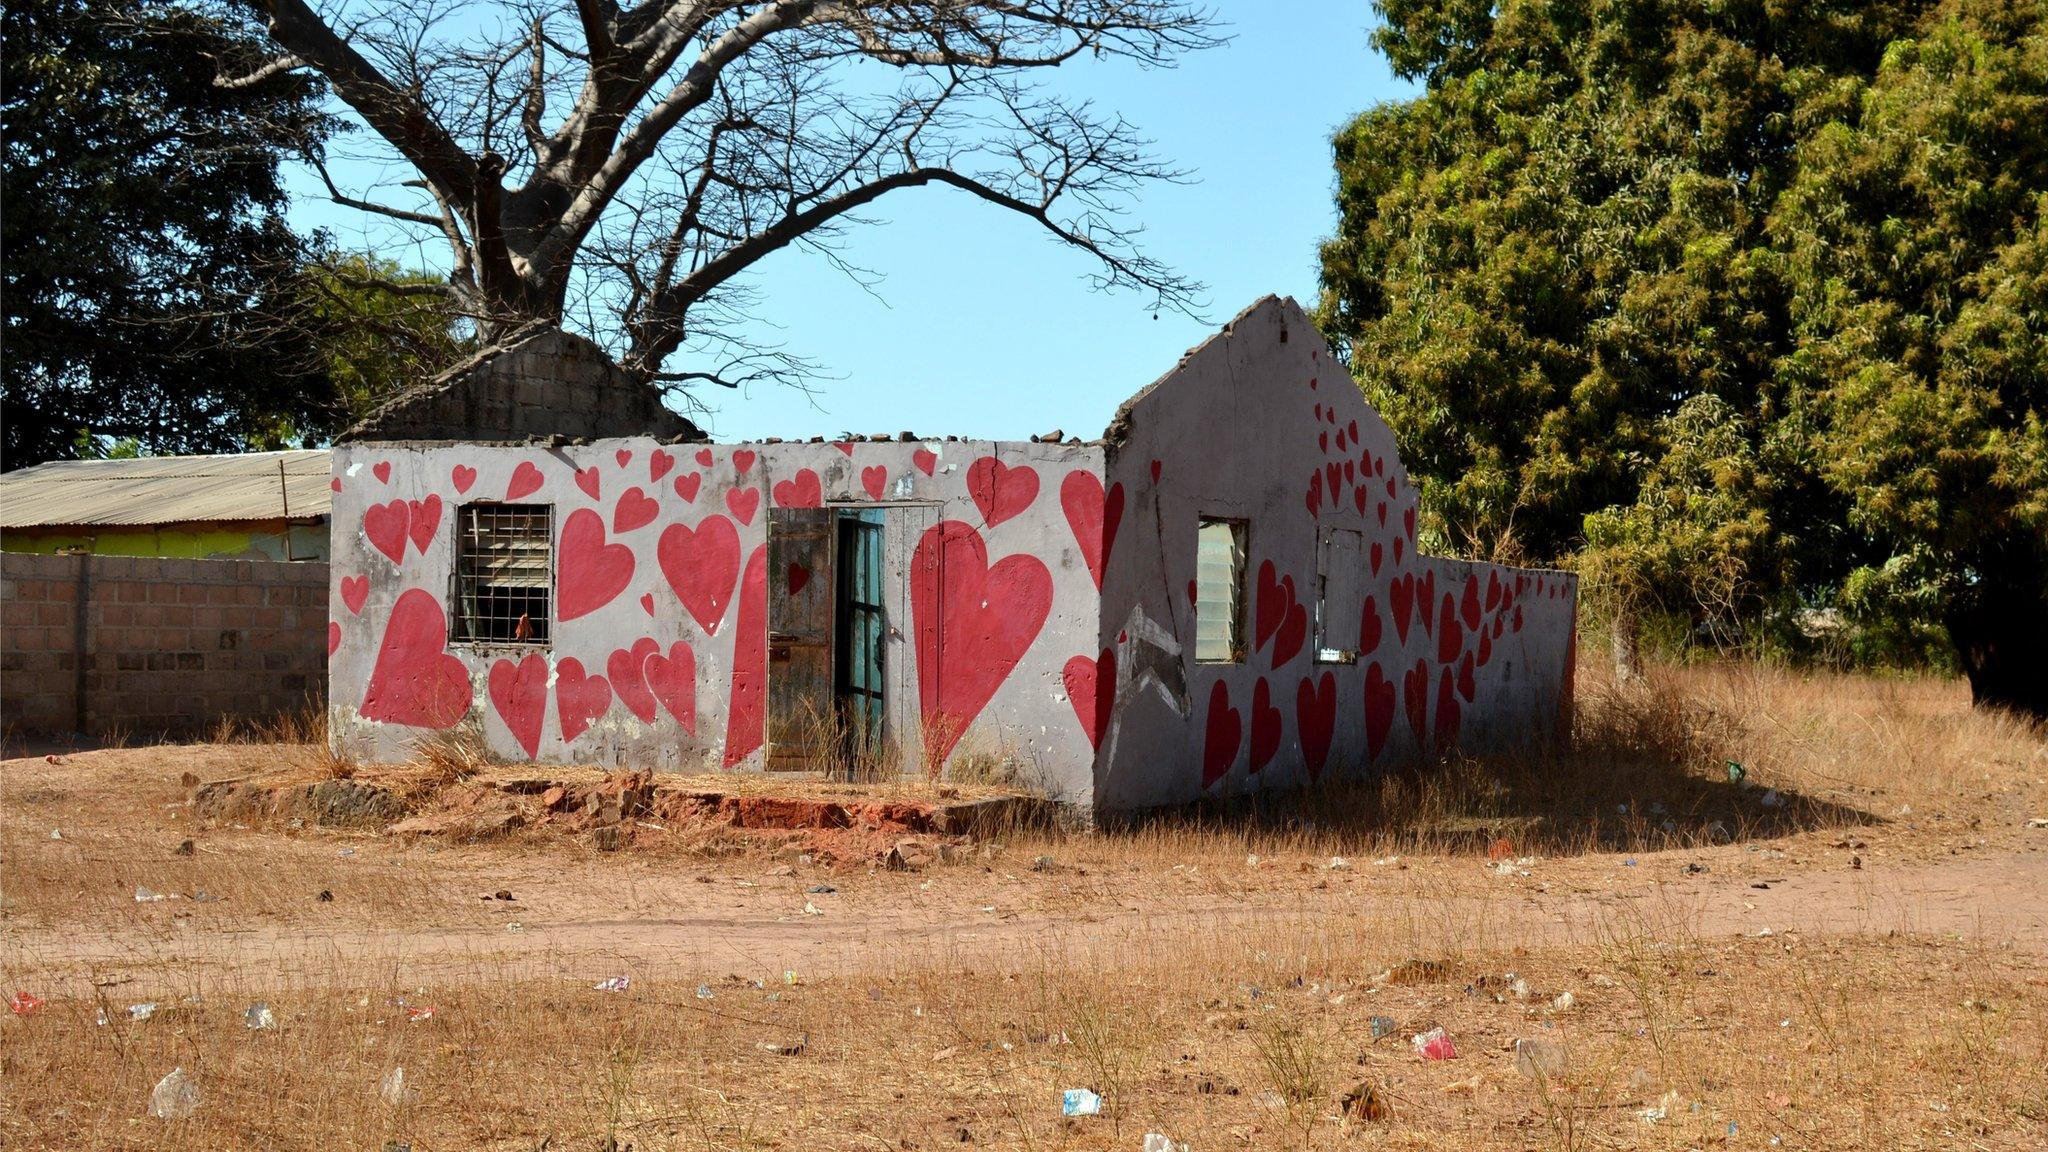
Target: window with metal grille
[1219, 592]
[504, 573]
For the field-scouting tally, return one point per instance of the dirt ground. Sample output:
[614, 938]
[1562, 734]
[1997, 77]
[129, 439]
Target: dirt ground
[1848, 950]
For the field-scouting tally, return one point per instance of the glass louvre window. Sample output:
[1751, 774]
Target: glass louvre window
[504, 573]
[1219, 592]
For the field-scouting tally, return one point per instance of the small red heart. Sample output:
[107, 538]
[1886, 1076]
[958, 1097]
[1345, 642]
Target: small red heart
[873, 480]
[658, 465]
[463, 476]
[704, 457]
[743, 503]
[334, 485]
[526, 480]
[686, 486]
[382, 471]
[355, 590]
[333, 637]
[635, 509]
[586, 479]
[801, 491]
[423, 520]
[843, 446]
[742, 460]
[798, 576]
[624, 456]
[647, 603]
[1155, 471]
[925, 460]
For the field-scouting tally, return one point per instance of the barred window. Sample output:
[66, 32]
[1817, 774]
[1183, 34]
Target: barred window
[504, 573]
[1219, 592]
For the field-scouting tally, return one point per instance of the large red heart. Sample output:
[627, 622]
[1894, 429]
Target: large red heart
[355, 590]
[1415, 699]
[1369, 627]
[1448, 714]
[415, 682]
[742, 503]
[384, 527]
[520, 694]
[982, 617]
[526, 480]
[1315, 710]
[1293, 631]
[999, 490]
[1093, 517]
[800, 491]
[1450, 633]
[1269, 605]
[673, 681]
[424, 516]
[1266, 726]
[579, 699]
[624, 668]
[1225, 731]
[702, 565]
[747, 703]
[1091, 689]
[1379, 710]
[1401, 599]
[635, 510]
[658, 464]
[873, 480]
[589, 573]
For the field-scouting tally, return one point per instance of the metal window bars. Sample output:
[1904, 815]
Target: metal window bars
[504, 573]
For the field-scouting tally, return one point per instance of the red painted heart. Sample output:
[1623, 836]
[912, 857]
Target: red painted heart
[1425, 599]
[1448, 713]
[634, 510]
[743, 503]
[647, 603]
[519, 692]
[1450, 632]
[999, 490]
[463, 477]
[589, 573]
[874, 480]
[629, 680]
[1269, 605]
[1293, 632]
[800, 491]
[588, 480]
[333, 637]
[687, 485]
[1401, 599]
[844, 447]
[702, 565]
[415, 682]
[747, 701]
[624, 456]
[796, 577]
[1225, 730]
[924, 460]
[672, 679]
[983, 617]
[1155, 472]
[1379, 710]
[384, 527]
[1415, 699]
[658, 465]
[423, 519]
[526, 480]
[1468, 685]
[704, 457]
[1369, 627]
[1091, 690]
[382, 471]
[1092, 516]
[579, 699]
[1266, 726]
[1468, 605]
[743, 461]
[355, 590]
[1315, 710]
[1376, 557]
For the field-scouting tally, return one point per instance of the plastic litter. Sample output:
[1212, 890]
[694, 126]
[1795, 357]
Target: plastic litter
[394, 1089]
[1434, 1045]
[416, 1013]
[24, 1004]
[1736, 772]
[1338, 864]
[1665, 1106]
[1539, 1059]
[614, 984]
[145, 896]
[1161, 1142]
[1382, 1026]
[704, 992]
[1080, 1102]
[56, 833]
[175, 1096]
[1563, 1002]
[259, 1015]
[139, 1012]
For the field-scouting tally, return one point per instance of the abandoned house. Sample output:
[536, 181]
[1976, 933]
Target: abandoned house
[1221, 594]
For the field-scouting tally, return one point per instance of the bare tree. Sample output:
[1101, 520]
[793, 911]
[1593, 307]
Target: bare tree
[696, 137]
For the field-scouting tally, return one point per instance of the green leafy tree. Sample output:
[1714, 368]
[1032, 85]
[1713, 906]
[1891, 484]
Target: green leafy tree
[143, 239]
[1737, 305]
[375, 327]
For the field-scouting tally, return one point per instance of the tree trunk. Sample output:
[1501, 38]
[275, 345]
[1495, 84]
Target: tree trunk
[1999, 628]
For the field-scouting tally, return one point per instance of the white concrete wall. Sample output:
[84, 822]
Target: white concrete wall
[1260, 424]
[640, 527]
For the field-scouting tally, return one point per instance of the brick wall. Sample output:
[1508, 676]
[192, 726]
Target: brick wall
[160, 646]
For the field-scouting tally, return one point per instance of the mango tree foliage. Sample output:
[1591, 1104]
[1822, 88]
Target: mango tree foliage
[1741, 306]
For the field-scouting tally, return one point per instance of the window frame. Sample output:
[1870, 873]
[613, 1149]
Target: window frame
[1240, 632]
[459, 617]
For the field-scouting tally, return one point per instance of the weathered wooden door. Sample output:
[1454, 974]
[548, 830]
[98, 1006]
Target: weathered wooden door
[802, 727]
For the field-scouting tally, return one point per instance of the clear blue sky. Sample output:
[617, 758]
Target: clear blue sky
[985, 327]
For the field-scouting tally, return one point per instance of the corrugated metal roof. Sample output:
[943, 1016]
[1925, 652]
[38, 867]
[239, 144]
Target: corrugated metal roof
[167, 490]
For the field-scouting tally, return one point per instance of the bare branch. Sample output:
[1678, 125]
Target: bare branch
[277, 67]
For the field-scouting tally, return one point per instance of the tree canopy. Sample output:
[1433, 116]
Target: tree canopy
[1741, 306]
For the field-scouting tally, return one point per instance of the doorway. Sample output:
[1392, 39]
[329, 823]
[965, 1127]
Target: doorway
[829, 635]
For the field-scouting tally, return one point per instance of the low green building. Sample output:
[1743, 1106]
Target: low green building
[255, 506]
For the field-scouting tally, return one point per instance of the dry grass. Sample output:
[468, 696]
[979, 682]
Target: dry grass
[1222, 1002]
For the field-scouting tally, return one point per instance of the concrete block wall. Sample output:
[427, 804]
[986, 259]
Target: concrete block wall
[146, 645]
